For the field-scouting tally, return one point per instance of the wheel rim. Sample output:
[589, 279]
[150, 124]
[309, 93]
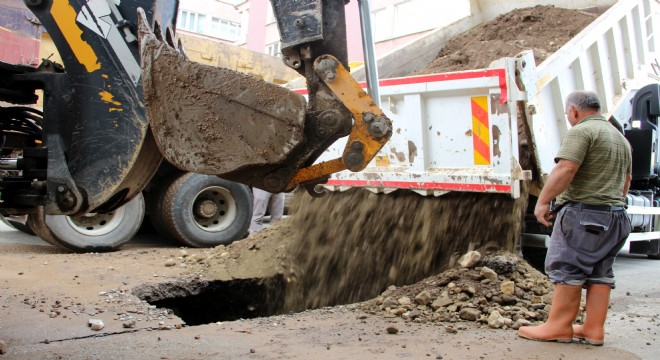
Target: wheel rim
[94, 224]
[214, 209]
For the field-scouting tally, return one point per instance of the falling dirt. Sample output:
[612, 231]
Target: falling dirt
[350, 246]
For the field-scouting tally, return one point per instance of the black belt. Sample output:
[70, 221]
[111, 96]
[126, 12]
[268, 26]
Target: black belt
[595, 207]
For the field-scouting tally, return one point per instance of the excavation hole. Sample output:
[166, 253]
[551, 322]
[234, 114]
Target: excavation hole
[201, 302]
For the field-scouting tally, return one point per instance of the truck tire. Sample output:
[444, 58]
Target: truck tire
[205, 210]
[91, 232]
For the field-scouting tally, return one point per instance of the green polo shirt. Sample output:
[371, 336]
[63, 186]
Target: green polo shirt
[604, 156]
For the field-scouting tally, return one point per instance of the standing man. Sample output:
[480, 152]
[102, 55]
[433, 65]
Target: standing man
[591, 180]
[263, 200]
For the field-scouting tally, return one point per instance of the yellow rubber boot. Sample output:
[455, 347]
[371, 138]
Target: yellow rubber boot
[593, 330]
[559, 326]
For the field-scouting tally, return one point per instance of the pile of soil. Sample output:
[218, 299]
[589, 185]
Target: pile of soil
[499, 290]
[542, 29]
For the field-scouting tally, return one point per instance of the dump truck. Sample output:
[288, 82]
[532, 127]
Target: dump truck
[127, 98]
[496, 130]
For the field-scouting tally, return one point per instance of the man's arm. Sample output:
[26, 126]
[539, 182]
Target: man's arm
[558, 181]
[626, 186]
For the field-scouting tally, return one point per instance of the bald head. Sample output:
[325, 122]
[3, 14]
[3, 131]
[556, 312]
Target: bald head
[580, 104]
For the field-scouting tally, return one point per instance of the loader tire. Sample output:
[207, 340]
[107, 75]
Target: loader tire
[90, 232]
[205, 210]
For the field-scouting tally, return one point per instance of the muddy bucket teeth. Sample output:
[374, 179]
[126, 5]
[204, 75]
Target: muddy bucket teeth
[214, 120]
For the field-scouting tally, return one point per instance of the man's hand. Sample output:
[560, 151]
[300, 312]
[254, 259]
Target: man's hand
[543, 214]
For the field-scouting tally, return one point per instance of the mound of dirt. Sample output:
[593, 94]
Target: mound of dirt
[542, 29]
[261, 255]
[500, 290]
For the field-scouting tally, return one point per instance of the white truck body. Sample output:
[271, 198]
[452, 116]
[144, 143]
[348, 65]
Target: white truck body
[459, 131]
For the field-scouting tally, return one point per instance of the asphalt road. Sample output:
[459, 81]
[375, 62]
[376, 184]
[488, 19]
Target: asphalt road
[632, 328]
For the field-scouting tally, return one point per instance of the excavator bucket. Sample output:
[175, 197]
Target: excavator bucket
[214, 120]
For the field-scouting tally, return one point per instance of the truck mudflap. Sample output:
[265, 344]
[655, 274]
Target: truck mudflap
[451, 132]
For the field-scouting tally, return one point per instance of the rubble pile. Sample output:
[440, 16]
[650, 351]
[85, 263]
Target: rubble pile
[499, 290]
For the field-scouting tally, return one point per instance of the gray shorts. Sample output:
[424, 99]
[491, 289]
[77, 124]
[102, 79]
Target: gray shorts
[584, 244]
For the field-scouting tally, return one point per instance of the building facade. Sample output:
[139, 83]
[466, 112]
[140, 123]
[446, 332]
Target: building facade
[251, 24]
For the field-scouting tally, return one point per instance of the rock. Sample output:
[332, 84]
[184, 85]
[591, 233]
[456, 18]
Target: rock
[508, 287]
[474, 275]
[501, 264]
[536, 299]
[462, 297]
[519, 323]
[470, 259]
[405, 301]
[488, 273]
[442, 301]
[495, 320]
[3, 347]
[423, 298]
[390, 303]
[95, 324]
[170, 262]
[392, 330]
[470, 314]
[509, 299]
[128, 324]
[469, 289]
[398, 311]
[414, 314]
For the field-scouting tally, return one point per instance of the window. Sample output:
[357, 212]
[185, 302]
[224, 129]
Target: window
[191, 21]
[229, 30]
[270, 15]
[216, 27]
[201, 21]
[274, 49]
